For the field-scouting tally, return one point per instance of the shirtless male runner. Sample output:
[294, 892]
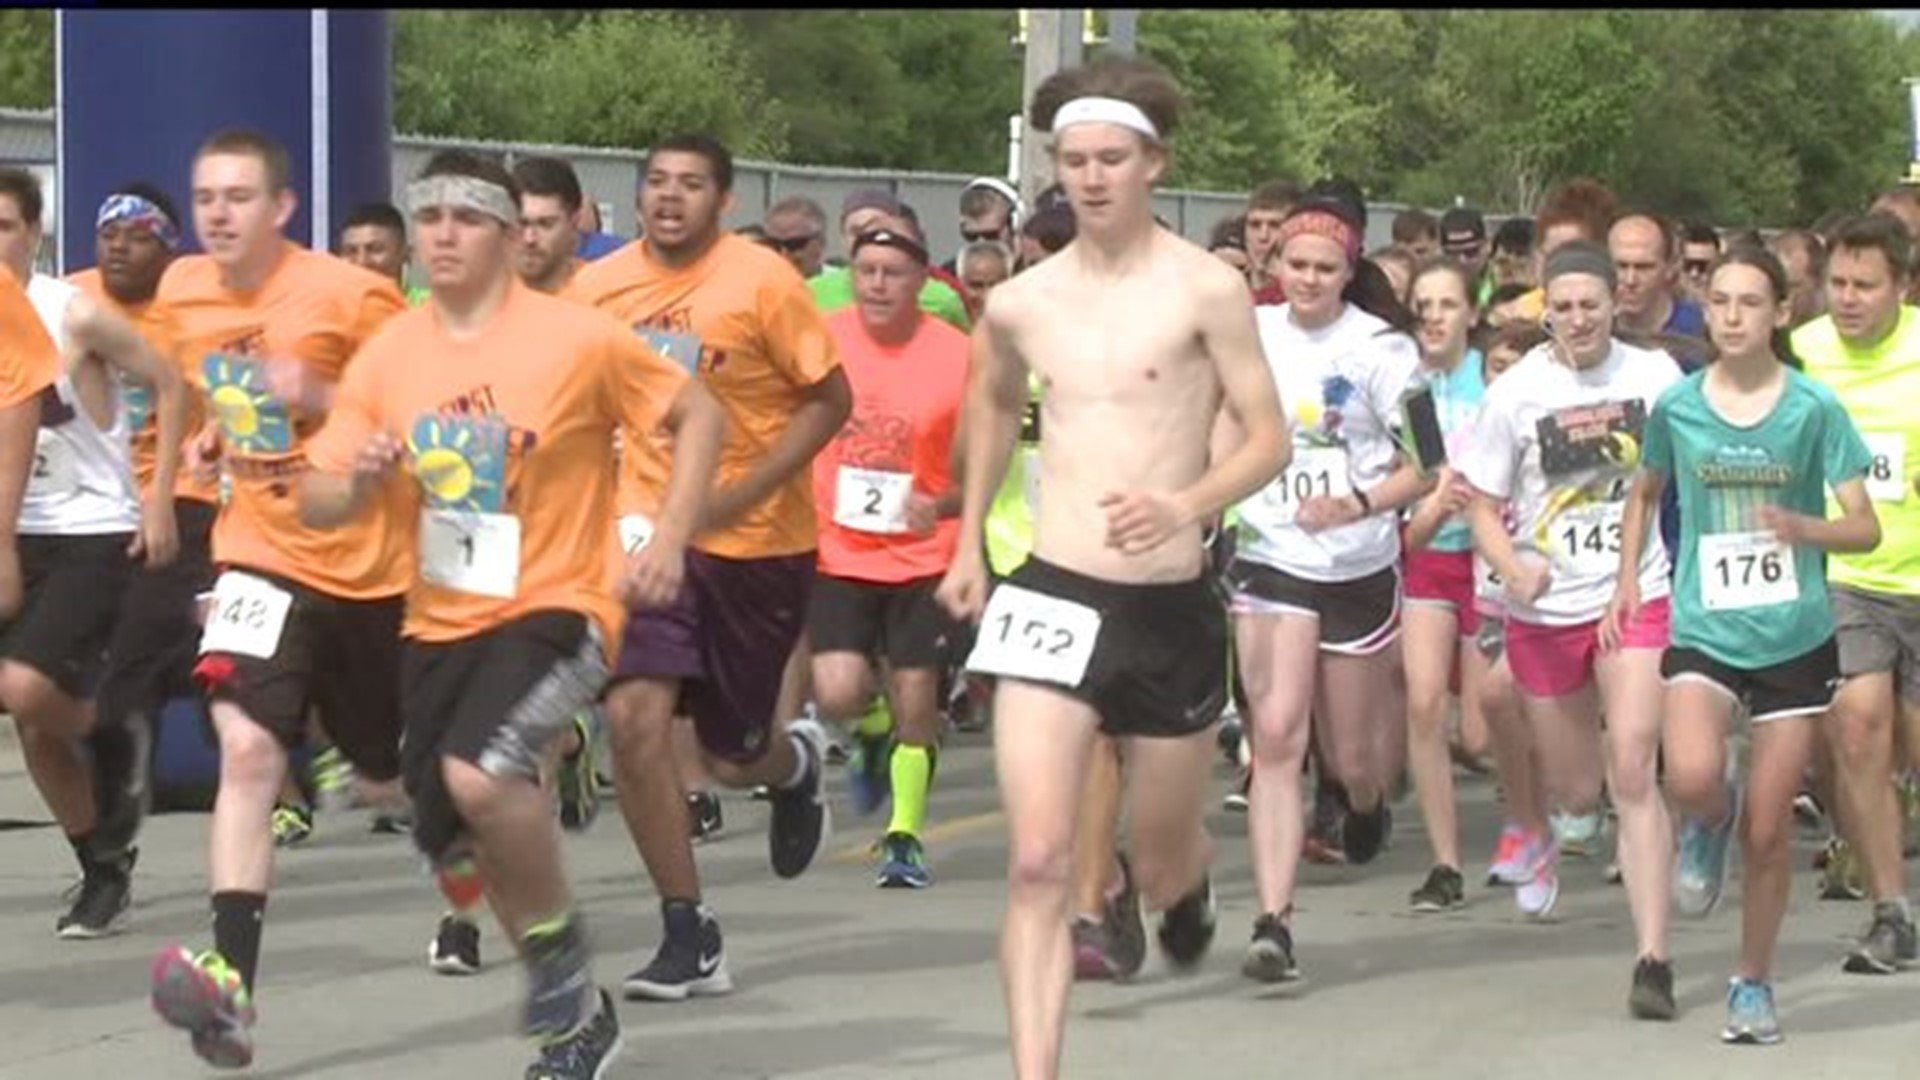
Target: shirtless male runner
[1138, 337]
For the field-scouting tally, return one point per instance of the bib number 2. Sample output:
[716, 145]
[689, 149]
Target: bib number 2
[872, 501]
[1029, 635]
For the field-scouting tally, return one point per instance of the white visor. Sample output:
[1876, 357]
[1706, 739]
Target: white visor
[1104, 110]
[463, 192]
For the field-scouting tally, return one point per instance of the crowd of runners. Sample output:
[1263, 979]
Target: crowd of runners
[1623, 487]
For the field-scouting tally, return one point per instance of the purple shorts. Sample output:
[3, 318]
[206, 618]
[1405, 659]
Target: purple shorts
[727, 639]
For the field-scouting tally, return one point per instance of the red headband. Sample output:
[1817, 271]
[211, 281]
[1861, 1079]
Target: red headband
[1321, 223]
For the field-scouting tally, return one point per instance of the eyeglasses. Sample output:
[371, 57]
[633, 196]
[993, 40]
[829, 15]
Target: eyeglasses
[1697, 267]
[792, 245]
[973, 237]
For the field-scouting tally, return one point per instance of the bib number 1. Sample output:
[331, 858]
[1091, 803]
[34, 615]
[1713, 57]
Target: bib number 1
[471, 552]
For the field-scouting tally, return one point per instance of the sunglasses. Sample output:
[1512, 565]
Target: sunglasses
[792, 245]
[1697, 266]
[972, 237]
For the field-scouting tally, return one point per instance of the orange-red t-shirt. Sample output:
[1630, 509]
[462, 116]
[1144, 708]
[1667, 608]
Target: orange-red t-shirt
[29, 360]
[906, 403]
[318, 310]
[750, 319]
[509, 432]
[156, 328]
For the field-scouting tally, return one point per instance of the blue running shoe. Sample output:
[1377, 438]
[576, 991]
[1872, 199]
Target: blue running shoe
[904, 863]
[1751, 1020]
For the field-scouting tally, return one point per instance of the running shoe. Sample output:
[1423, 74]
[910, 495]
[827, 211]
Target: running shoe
[904, 865]
[1652, 995]
[1364, 833]
[1444, 890]
[456, 947]
[1537, 893]
[578, 779]
[1808, 811]
[292, 825]
[1700, 864]
[204, 996]
[1091, 950]
[1578, 835]
[1324, 844]
[1751, 1020]
[586, 1053]
[1186, 928]
[333, 778]
[691, 961]
[1236, 800]
[703, 811]
[869, 772]
[1887, 946]
[1126, 927]
[801, 819]
[1841, 875]
[1270, 954]
[100, 909]
[385, 824]
[1507, 867]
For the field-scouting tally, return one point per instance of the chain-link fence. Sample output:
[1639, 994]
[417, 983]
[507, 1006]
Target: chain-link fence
[610, 177]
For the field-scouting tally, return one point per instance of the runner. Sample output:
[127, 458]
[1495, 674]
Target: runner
[300, 619]
[1868, 350]
[886, 505]
[82, 523]
[1559, 435]
[1112, 623]
[512, 618]
[742, 317]
[150, 656]
[1315, 576]
[1752, 445]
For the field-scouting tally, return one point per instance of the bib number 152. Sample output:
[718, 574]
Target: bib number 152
[1029, 635]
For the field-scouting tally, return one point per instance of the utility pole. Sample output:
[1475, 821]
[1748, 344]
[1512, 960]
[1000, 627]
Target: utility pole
[1122, 30]
[1042, 60]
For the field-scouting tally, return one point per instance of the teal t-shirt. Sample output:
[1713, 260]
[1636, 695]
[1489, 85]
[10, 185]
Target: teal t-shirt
[833, 291]
[1739, 595]
[1456, 400]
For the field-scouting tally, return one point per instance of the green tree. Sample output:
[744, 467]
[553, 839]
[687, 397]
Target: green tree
[26, 59]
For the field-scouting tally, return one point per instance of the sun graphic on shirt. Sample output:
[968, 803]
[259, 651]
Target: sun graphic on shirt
[250, 417]
[459, 462]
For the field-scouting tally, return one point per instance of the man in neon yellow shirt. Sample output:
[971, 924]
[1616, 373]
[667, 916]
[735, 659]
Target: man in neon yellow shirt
[1868, 350]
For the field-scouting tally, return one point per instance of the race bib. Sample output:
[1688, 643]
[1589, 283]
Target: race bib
[1586, 539]
[871, 501]
[1315, 472]
[246, 617]
[1746, 570]
[471, 552]
[1887, 474]
[55, 470]
[1028, 635]
[636, 532]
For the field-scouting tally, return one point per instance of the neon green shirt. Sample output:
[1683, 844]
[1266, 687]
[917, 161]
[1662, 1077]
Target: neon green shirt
[1010, 515]
[1880, 387]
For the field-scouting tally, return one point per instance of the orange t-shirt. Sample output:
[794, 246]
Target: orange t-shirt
[29, 360]
[517, 425]
[906, 403]
[156, 328]
[760, 342]
[318, 310]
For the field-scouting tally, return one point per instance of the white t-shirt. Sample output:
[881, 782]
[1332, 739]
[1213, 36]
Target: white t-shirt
[1563, 446]
[1341, 386]
[82, 481]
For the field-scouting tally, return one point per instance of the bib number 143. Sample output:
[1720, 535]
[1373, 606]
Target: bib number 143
[1029, 635]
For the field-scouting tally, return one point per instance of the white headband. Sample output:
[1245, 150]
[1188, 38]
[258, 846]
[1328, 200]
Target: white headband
[1104, 110]
[464, 192]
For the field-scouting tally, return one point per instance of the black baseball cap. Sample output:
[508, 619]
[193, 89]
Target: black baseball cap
[1462, 226]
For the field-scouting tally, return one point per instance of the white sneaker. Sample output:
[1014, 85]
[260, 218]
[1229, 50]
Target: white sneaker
[1536, 895]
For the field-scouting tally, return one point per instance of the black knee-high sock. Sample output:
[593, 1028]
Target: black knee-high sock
[236, 930]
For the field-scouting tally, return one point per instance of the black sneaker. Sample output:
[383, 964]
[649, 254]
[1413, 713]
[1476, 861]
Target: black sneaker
[703, 815]
[1126, 928]
[559, 984]
[801, 821]
[1445, 890]
[690, 963]
[586, 1052]
[1364, 833]
[456, 947]
[1270, 956]
[101, 908]
[1652, 995]
[1887, 946]
[1186, 928]
[385, 824]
